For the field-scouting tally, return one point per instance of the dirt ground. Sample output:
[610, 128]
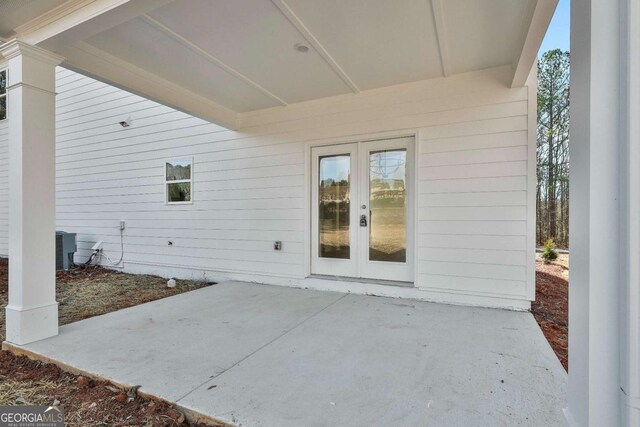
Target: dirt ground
[551, 305]
[84, 293]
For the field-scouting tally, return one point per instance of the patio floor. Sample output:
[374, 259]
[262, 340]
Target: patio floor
[258, 355]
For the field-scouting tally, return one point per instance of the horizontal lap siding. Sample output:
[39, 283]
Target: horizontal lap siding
[245, 195]
[473, 207]
[472, 195]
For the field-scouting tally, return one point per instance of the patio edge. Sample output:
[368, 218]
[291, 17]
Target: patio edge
[191, 415]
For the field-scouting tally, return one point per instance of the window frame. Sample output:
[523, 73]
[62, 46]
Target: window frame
[177, 181]
[5, 95]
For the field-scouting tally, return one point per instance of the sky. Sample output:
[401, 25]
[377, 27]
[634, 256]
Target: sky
[558, 34]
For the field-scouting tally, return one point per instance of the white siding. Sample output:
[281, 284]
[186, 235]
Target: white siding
[474, 201]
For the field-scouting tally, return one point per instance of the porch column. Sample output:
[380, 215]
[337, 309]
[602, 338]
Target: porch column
[630, 212]
[32, 313]
[604, 291]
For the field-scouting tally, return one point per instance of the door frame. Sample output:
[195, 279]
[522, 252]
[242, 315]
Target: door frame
[412, 178]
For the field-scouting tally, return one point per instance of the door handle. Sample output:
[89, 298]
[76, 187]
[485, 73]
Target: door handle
[363, 220]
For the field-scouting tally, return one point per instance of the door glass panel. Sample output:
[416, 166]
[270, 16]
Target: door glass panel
[388, 206]
[333, 210]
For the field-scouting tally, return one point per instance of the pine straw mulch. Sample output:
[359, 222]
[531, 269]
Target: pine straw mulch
[83, 293]
[551, 306]
[86, 402]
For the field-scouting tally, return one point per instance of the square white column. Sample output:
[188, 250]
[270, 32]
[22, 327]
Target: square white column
[32, 312]
[630, 212]
[604, 290]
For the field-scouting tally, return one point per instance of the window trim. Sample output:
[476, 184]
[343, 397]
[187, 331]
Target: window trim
[177, 181]
[5, 95]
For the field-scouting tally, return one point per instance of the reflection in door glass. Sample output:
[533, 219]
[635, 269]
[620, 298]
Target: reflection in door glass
[333, 209]
[388, 206]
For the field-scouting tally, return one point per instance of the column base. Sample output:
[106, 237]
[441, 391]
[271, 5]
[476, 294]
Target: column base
[26, 325]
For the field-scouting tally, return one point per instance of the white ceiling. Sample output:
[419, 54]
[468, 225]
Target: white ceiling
[377, 43]
[144, 45]
[484, 33]
[374, 43]
[256, 39]
[240, 54]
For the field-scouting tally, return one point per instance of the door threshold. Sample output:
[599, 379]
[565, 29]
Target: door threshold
[363, 280]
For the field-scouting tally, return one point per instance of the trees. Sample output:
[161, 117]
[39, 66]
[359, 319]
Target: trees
[552, 191]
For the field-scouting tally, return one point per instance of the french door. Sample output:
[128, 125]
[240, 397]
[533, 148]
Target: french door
[362, 210]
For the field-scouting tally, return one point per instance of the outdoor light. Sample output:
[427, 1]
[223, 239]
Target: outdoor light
[126, 123]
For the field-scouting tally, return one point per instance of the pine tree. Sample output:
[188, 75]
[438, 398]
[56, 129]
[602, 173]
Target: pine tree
[553, 144]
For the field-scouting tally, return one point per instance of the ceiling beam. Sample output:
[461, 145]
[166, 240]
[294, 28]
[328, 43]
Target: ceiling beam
[77, 20]
[89, 60]
[309, 37]
[441, 34]
[63, 17]
[535, 31]
[209, 57]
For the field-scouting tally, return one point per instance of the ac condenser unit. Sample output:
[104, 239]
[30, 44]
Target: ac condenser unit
[65, 248]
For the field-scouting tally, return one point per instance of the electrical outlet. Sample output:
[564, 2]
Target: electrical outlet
[122, 224]
[277, 245]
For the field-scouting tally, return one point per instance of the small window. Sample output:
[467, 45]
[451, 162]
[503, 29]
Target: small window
[178, 174]
[3, 94]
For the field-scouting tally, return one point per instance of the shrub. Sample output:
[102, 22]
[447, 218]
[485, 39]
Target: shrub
[549, 253]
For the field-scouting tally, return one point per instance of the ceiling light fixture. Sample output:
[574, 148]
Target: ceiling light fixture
[301, 47]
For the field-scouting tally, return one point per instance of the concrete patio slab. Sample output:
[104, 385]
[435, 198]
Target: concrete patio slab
[173, 345]
[287, 357]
